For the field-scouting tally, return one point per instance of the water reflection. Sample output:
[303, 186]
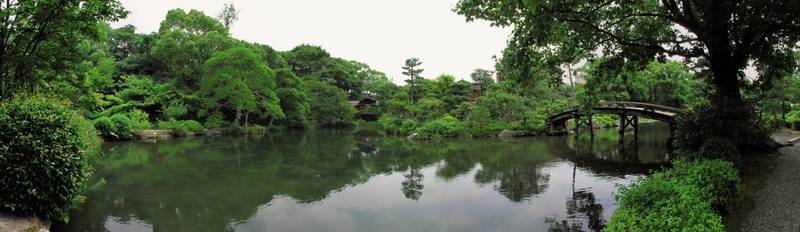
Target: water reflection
[338, 181]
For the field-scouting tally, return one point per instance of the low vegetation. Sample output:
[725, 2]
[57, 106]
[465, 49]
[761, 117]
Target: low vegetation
[45, 149]
[688, 197]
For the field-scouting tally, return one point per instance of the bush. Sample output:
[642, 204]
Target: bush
[116, 127]
[793, 119]
[44, 157]
[717, 148]
[687, 197]
[397, 126]
[216, 120]
[739, 123]
[140, 120]
[446, 127]
[182, 127]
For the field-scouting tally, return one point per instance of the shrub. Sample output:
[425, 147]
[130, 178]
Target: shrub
[683, 198]
[397, 126]
[44, 157]
[181, 127]
[116, 127]
[739, 123]
[793, 119]
[717, 148]
[140, 120]
[216, 120]
[446, 127]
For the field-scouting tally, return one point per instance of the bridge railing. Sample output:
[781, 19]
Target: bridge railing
[624, 104]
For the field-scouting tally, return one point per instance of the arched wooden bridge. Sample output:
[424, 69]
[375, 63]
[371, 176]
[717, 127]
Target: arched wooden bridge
[628, 112]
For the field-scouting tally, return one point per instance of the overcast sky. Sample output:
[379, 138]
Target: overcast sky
[380, 33]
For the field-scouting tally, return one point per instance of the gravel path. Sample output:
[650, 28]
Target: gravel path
[777, 204]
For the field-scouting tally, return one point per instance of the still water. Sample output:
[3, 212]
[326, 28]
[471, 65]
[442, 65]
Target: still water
[347, 181]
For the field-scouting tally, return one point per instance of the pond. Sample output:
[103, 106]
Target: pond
[347, 181]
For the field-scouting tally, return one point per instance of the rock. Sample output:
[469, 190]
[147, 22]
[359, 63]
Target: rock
[154, 134]
[21, 224]
[508, 133]
[412, 137]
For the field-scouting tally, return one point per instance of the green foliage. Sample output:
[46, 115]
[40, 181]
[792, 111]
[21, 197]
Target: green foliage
[397, 126]
[429, 109]
[330, 105]
[175, 109]
[117, 127]
[683, 198]
[715, 122]
[717, 148]
[502, 105]
[237, 80]
[446, 127]
[216, 120]
[185, 41]
[41, 38]
[140, 120]
[45, 149]
[793, 119]
[294, 98]
[182, 127]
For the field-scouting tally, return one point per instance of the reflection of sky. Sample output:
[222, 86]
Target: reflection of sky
[457, 205]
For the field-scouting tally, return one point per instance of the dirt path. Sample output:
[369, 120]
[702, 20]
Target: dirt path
[777, 204]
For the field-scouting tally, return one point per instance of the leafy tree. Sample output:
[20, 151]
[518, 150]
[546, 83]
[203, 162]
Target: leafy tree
[38, 37]
[131, 50]
[483, 77]
[237, 80]
[314, 63]
[413, 73]
[458, 93]
[294, 98]
[723, 36]
[330, 104]
[185, 41]
[228, 15]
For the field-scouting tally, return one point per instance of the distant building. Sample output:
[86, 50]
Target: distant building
[477, 91]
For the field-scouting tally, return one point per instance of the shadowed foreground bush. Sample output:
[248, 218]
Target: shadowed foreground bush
[44, 153]
[688, 197]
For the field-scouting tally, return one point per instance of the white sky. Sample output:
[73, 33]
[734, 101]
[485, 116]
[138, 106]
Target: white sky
[380, 33]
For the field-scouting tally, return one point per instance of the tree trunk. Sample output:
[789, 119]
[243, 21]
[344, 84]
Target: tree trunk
[238, 116]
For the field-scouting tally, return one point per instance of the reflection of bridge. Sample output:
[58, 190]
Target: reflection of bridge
[628, 112]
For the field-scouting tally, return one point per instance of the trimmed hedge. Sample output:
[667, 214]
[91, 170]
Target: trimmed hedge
[688, 197]
[45, 149]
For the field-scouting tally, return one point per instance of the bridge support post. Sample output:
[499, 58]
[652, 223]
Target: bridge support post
[625, 121]
[591, 126]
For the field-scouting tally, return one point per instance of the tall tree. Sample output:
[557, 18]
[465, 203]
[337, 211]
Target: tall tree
[228, 15]
[723, 36]
[236, 79]
[185, 41]
[482, 76]
[413, 72]
[40, 37]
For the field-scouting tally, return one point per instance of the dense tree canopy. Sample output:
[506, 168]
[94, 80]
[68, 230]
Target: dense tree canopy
[727, 34]
[236, 79]
[38, 38]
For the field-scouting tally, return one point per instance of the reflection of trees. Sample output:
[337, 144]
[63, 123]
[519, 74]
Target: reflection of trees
[606, 154]
[412, 185]
[208, 184]
[581, 207]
